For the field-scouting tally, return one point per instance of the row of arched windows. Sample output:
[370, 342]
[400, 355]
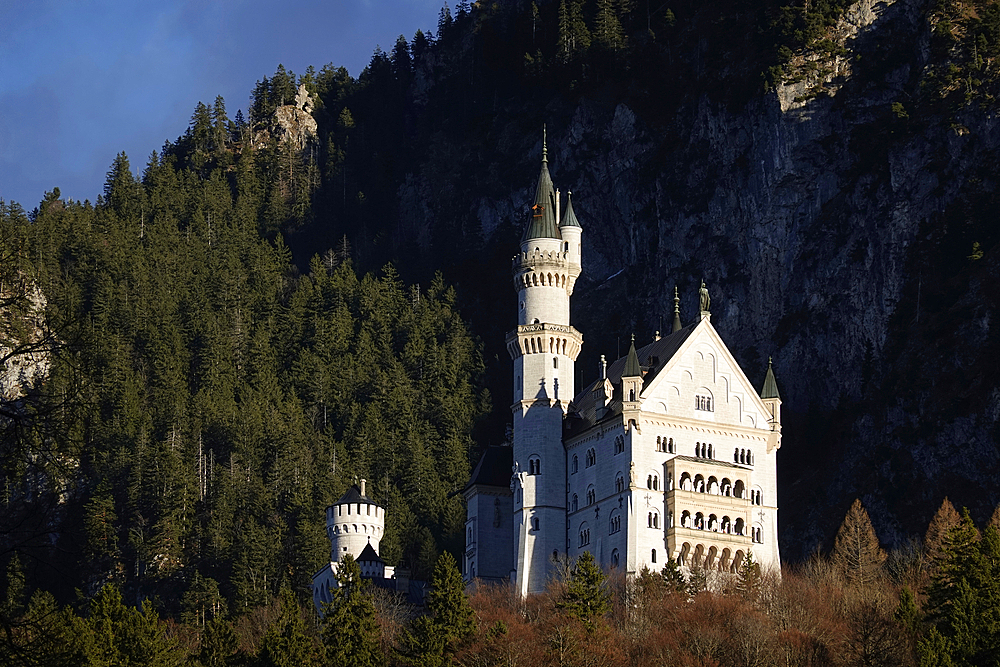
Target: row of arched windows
[346, 528]
[704, 403]
[653, 520]
[710, 558]
[536, 345]
[665, 444]
[704, 450]
[744, 456]
[713, 486]
[619, 444]
[616, 524]
[653, 482]
[544, 280]
[584, 537]
[591, 457]
[619, 483]
[698, 521]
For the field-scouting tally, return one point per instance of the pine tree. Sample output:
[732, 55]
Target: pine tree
[607, 25]
[964, 599]
[435, 638]
[856, 551]
[586, 598]
[673, 577]
[287, 642]
[349, 627]
[748, 578]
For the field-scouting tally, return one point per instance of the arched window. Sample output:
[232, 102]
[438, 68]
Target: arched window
[649, 481]
[534, 523]
[652, 558]
[576, 503]
[656, 482]
[614, 558]
[736, 455]
[619, 444]
[619, 484]
[670, 446]
[584, 535]
[591, 457]
[738, 489]
[685, 519]
[470, 536]
[591, 496]
[576, 464]
[615, 522]
[738, 528]
[699, 521]
[534, 466]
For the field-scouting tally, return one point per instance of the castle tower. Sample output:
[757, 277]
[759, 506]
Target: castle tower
[544, 347]
[354, 522]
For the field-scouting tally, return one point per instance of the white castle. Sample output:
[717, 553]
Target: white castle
[670, 454]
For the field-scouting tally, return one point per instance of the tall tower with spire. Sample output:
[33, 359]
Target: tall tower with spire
[544, 347]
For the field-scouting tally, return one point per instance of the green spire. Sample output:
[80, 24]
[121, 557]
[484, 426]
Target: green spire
[770, 389]
[569, 218]
[632, 368]
[677, 312]
[543, 223]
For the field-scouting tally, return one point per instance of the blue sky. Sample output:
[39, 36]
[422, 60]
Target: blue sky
[82, 81]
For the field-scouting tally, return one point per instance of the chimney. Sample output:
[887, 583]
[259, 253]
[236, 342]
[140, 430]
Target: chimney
[363, 488]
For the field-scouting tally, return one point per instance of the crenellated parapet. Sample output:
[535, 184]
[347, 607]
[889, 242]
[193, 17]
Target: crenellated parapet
[544, 338]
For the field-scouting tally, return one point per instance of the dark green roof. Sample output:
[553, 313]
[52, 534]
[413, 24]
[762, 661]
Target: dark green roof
[543, 223]
[632, 367]
[770, 389]
[569, 218]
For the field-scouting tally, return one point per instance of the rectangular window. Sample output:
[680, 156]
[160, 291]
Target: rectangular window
[555, 362]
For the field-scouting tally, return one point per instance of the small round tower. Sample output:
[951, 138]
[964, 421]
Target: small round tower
[354, 522]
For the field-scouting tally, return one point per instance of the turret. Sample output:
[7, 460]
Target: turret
[631, 385]
[354, 522]
[772, 400]
[544, 347]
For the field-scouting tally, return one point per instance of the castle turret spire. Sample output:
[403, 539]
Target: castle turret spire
[543, 223]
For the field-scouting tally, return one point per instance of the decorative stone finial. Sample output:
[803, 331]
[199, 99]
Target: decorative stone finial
[677, 312]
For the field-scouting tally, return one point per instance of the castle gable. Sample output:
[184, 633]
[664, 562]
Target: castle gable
[702, 380]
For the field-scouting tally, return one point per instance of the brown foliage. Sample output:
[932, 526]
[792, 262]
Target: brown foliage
[944, 520]
[856, 551]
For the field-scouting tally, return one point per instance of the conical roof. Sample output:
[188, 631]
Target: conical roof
[770, 389]
[543, 223]
[569, 217]
[632, 367]
[368, 555]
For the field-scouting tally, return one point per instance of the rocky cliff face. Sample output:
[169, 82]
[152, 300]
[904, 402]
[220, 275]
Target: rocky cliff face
[819, 216]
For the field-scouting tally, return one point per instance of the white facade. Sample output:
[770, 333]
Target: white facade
[671, 454]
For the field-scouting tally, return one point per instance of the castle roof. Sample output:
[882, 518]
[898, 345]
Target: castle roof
[569, 217]
[353, 495]
[368, 555]
[494, 467]
[632, 368]
[543, 223]
[770, 389]
[651, 359]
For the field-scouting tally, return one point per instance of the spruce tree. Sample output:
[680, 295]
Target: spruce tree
[673, 577]
[434, 639]
[856, 551]
[586, 598]
[349, 627]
